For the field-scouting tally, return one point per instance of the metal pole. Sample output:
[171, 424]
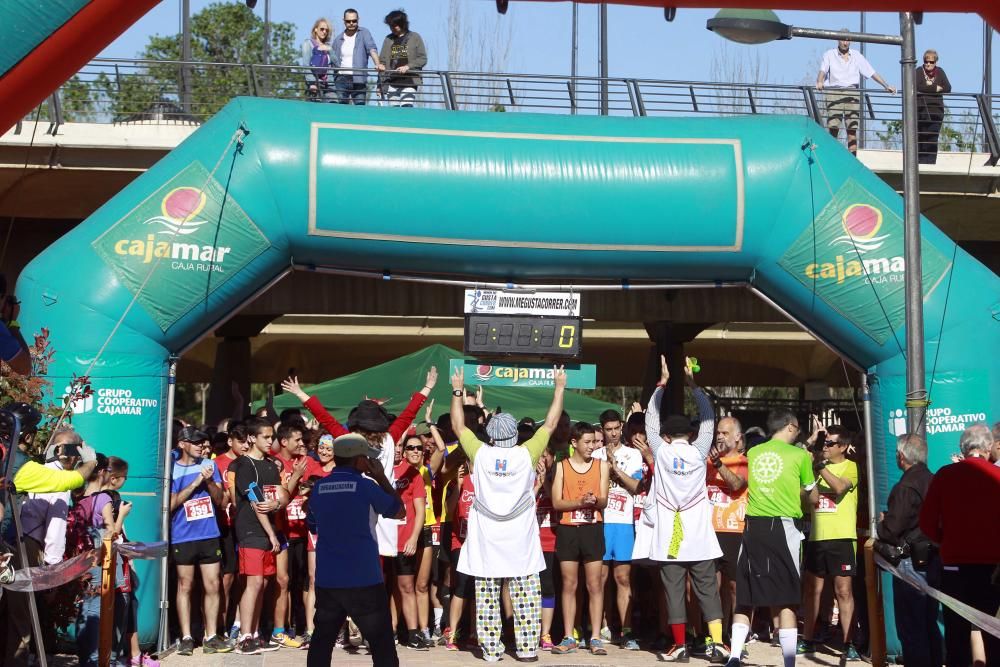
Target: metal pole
[168, 469]
[916, 392]
[574, 52]
[603, 30]
[861, 115]
[267, 32]
[987, 58]
[866, 399]
[186, 55]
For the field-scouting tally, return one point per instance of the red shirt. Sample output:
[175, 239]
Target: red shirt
[410, 485]
[292, 522]
[956, 510]
[396, 429]
[222, 463]
[460, 522]
[548, 519]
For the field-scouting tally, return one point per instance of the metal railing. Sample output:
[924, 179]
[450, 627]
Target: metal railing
[149, 91]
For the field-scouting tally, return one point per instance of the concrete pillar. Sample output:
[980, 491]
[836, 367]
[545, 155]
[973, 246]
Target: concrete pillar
[232, 364]
[668, 338]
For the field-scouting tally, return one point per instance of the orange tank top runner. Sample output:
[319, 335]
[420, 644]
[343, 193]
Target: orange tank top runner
[575, 486]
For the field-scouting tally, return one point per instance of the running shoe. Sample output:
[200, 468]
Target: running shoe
[851, 653]
[719, 654]
[450, 640]
[526, 658]
[546, 643]
[304, 639]
[145, 660]
[186, 646]
[606, 633]
[676, 653]
[234, 634]
[267, 644]
[284, 641]
[701, 647]
[629, 642]
[734, 662]
[216, 644]
[567, 645]
[597, 647]
[248, 646]
[416, 642]
[744, 654]
[805, 647]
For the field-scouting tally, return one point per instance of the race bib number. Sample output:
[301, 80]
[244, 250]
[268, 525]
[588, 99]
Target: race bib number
[198, 509]
[826, 504]
[296, 509]
[718, 497]
[616, 501]
[583, 516]
[436, 535]
[270, 492]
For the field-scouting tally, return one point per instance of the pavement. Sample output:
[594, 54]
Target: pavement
[761, 654]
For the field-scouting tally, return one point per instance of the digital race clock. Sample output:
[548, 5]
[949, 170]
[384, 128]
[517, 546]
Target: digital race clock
[522, 335]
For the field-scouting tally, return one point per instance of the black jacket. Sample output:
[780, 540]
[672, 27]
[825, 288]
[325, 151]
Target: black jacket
[900, 524]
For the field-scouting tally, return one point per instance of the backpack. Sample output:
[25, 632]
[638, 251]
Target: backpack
[80, 531]
[320, 63]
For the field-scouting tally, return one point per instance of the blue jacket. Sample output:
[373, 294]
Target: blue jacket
[364, 44]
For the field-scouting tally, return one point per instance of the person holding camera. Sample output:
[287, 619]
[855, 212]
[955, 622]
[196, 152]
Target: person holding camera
[832, 547]
[901, 542]
[342, 510]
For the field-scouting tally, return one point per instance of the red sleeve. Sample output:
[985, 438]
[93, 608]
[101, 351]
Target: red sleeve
[325, 419]
[930, 511]
[403, 421]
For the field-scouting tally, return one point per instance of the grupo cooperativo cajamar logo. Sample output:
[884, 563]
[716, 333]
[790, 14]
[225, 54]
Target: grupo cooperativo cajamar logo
[193, 234]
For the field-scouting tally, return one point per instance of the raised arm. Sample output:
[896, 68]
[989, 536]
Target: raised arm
[406, 417]
[311, 403]
[653, 409]
[466, 438]
[706, 414]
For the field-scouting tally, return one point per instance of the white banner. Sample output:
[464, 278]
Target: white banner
[498, 302]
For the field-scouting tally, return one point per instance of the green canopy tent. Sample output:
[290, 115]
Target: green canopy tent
[396, 380]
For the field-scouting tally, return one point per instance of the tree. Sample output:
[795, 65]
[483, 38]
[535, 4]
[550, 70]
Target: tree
[483, 46]
[227, 33]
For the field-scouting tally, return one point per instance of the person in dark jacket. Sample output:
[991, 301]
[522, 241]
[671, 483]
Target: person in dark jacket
[932, 83]
[403, 56]
[916, 613]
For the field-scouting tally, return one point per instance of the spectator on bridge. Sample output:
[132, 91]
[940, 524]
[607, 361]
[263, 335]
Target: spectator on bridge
[349, 53]
[969, 550]
[403, 55]
[316, 56]
[932, 83]
[841, 71]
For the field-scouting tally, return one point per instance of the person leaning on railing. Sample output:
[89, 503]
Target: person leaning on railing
[932, 83]
[316, 57]
[403, 54]
[350, 52]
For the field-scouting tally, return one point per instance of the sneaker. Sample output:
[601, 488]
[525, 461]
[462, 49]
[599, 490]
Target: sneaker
[775, 640]
[734, 662]
[606, 633]
[234, 634]
[676, 653]
[304, 639]
[629, 643]
[597, 647]
[752, 637]
[284, 641]
[546, 643]
[526, 658]
[416, 642]
[701, 647]
[437, 637]
[216, 644]
[850, 653]
[567, 645]
[342, 640]
[145, 660]
[805, 647]
[744, 654]
[186, 646]
[719, 655]
[248, 646]
[267, 644]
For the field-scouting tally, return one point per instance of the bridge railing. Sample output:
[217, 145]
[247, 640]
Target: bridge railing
[129, 91]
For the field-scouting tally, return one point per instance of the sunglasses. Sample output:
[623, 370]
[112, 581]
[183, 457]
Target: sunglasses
[930, 62]
[350, 21]
[413, 448]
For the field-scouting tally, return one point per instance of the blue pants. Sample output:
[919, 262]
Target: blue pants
[350, 91]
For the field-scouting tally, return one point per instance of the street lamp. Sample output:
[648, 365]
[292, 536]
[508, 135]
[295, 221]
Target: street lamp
[762, 26]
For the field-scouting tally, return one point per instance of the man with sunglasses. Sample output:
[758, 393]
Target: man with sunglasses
[767, 569]
[833, 540]
[349, 54]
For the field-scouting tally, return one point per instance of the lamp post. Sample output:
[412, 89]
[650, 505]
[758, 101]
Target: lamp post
[762, 26]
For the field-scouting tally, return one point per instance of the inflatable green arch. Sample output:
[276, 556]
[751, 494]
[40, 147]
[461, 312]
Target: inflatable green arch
[265, 185]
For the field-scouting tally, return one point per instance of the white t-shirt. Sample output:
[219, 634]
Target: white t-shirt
[679, 488]
[621, 504]
[347, 51]
[841, 73]
[387, 529]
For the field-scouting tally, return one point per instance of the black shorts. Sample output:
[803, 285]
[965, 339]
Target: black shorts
[230, 557]
[199, 552]
[831, 558]
[408, 565]
[730, 545]
[547, 576]
[298, 565]
[445, 554]
[462, 585]
[583, 544]
[767, 571]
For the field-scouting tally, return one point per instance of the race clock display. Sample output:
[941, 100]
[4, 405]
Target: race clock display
[523, 335]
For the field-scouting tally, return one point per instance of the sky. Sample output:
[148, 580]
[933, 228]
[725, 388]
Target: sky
[641, 43]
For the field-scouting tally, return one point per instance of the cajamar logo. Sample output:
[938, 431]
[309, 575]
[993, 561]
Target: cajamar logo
[861, 224]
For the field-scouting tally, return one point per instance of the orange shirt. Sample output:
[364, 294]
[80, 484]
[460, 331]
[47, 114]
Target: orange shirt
[729, 510]
[575, 486]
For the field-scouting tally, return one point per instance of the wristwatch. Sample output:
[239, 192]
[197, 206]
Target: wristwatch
[457, 392]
